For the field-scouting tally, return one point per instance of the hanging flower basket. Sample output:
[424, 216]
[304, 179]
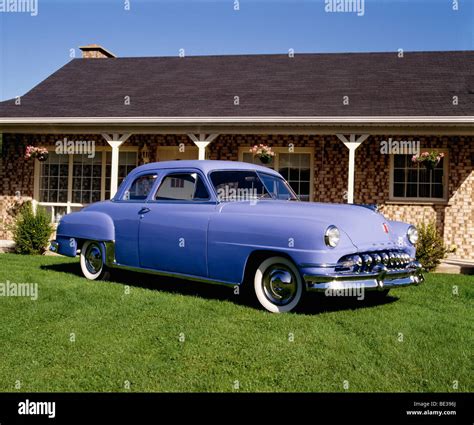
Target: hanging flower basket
[38, 152]
[263, 152]
[429, 159]
[42, 157]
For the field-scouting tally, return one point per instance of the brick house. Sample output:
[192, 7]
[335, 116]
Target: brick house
[329, 117]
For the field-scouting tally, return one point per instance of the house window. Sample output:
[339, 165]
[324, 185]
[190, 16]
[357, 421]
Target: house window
[54, 179]
[66, 183]
[86, 178]
[176, 182]
[295, 167]
[127, 162]
[412, 181]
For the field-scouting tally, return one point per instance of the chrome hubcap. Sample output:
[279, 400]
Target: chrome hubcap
[93, 259]
[279, 284]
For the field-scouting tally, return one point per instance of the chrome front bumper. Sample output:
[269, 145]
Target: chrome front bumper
[379, 278]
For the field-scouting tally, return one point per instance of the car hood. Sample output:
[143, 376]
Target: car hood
[363, 226]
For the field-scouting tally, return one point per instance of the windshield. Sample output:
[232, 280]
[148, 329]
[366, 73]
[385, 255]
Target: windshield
[247, 185]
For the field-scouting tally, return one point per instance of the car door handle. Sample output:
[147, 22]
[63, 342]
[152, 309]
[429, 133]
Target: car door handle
[144, 210]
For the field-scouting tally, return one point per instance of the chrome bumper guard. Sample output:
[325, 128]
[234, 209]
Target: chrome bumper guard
[379, 278]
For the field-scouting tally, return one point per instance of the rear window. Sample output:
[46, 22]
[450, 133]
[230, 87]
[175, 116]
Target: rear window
[140, 188]
[182, 187]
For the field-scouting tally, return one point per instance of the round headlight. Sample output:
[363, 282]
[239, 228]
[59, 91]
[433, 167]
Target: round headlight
[332, 236]
[412, 235]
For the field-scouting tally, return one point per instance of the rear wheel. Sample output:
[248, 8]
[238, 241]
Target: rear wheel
[92, 261]
[278, 285]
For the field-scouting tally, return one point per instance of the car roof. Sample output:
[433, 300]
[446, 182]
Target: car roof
[205, 166]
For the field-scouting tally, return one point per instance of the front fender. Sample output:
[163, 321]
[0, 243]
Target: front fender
[233, 238]
[398, 232]
[88, 225]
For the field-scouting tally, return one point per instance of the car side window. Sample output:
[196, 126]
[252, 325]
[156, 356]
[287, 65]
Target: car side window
[140, 188]
[182, 187]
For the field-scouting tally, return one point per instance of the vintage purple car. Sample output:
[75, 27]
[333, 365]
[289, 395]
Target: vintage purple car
[235, 223]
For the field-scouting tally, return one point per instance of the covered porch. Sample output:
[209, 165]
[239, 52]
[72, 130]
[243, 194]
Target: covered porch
[324, 162]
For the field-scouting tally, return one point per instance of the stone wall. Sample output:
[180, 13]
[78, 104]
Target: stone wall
[16, 177]
[455, 219]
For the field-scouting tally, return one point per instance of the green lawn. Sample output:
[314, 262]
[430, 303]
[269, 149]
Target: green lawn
[135, 337]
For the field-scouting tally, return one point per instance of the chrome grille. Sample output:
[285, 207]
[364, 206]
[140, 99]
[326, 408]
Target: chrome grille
[367, 261]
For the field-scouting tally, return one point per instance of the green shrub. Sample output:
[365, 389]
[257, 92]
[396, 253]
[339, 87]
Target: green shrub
[31, 232]
[430, 248]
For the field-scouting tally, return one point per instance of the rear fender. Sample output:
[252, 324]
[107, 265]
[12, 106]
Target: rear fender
[87, 225]
[64, 246]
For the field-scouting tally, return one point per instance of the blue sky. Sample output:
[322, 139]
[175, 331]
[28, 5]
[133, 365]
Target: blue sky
[33, 47]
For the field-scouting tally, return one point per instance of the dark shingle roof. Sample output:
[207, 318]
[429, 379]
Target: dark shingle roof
[378, 84]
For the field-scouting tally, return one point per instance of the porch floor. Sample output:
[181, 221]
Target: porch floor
[455, 266]
[6, 245]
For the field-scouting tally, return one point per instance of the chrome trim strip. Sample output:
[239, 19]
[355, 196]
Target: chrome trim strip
[317, 265]
[173, 275]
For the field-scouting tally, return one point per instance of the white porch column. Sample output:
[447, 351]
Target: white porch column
[115, 141]
[202, 142]
[352, 144]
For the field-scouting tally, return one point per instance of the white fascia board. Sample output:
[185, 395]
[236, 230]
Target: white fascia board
[245, 120]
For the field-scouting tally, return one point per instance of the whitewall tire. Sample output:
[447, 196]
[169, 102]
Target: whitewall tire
[92, 261]
[278, 285]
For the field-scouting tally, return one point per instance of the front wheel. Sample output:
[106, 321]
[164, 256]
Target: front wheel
[278, 285]
[92, 261]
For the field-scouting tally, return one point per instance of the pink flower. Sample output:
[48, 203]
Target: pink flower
[35, 151]
[262, 151]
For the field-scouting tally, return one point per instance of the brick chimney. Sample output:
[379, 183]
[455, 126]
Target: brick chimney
[94, 51]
